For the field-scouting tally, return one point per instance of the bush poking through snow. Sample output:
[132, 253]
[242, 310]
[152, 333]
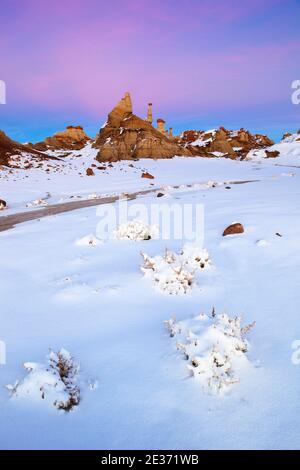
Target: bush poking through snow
[55, 382]
[215, 348]
[88, 240]
[194, 257]
[135, 230]
[37, 202]
[173, 273]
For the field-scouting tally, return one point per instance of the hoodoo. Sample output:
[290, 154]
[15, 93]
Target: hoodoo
[126, 136]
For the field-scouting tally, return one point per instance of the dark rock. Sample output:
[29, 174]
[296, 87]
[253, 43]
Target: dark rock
[233, 229]
[272, 154]
[3, 204]
[147, 175]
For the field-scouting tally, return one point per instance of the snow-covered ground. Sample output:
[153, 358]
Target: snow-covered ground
[94, 301]
[66, 180]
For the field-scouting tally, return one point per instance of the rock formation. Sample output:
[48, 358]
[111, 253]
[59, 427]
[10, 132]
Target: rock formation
[149, 113]
[125, 136]
[161, 126]
[222, 142]
[73, 138]
[10, 148]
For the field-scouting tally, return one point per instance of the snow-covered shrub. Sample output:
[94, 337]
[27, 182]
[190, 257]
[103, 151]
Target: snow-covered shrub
[215, 348]
[37, 202]
[213, 184]
[88, 240]
[135, 230]
[175, 273]
[194, 257]
[55, 382]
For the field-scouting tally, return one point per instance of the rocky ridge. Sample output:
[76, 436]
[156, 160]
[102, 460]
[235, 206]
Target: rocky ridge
[125, 136]
[223, 143]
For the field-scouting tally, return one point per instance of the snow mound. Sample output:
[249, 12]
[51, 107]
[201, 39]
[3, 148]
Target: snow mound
[94, 196]
[173, 273]
[88, 240]
[135, 230]
[292, 138]
[37, 203]
[215, 347]
[193, 257]
[55, 382]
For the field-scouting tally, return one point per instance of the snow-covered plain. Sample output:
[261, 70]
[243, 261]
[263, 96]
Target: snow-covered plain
[66, 180]
[93, 300]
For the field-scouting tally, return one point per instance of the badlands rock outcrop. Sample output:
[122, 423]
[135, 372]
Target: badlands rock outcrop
[11, 151]
[223, 143]
[125, 136]
[72, 138]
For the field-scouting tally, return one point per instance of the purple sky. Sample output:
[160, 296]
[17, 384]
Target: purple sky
[202, 63]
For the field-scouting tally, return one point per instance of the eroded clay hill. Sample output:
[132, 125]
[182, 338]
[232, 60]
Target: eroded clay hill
[125, 136]
[72, 138]
[222, 142]
[10, 151]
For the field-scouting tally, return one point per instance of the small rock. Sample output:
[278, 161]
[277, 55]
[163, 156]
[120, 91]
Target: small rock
[147, 175]
[273, 154]
[233, 229]
[160, 194]
[227, 187]
[3, 204]
[90, 172]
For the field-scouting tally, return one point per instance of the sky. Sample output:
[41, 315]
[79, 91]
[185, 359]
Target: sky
[201, 63]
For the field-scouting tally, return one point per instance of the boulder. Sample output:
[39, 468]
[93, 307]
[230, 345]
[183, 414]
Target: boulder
[3, 204]
[90, 172]
[147, 175]
[272, 154]
[233, 229]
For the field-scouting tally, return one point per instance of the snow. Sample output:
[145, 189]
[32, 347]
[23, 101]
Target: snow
[95, 302]
[88, 240]
[293, 138]
[54, 383]
[37, 202]
[289, 149]
[67, 180]
[136, 230]
[214, 347]
[220, 154]
[173, 273]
